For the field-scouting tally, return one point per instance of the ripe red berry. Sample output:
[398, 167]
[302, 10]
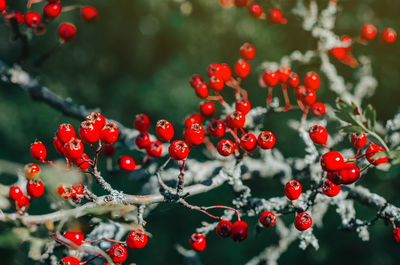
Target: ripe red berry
[225, 147]
[308, 96]
[318, 134]
[255, 10]
[142, 140]
[293, 190]
[15, 193]
[74, 237]
[58, 145]
[192, 119]
[317, 109]
[51, 10]
[271, 78]
[332, 161]
[82, 162]
[35, 189]
[348, 174]
[216, 128]
[358, 140]
[66, 31]
[235, 120]
[97, 119]
[241, 68]
[330, 189]
[136, 239]
[239, 231]
[224, 228]
[243, 105]
[88, 132]
[65, 132]
[248, 142]
[178, 150]
[225, 72]
[108, 150]
[388, 35]
[109, 133]
[73, 149]
[31, 170]
[275, 16]
[247, 52]
[22, 201]
[32, 19]
[338, 53]
[368, 32]
[375, 154]
[293, 80]
[201, 90]
[283, 74]
[311, 80]
[195, 80]
[197, 242]
[38, 151]
[207, 109]
[69, 261]
[214, 69]
[194, 135]
[267, 219]
[141, 123]
[2, 5]
[89, 14]
[164, 130]
[266, 140]
[154, 149]
[216, 83]
[19, 18]
[117, 253]
[126, 163]
[396, 235]
[302, 221]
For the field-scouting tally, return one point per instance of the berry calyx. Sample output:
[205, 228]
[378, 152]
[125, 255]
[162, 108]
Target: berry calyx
[224, 228]
[31, 170]
[195, 80]
[73, 149]
[32, 19]
[358, 140]
[225, 147]
[38, 151]
[197, 242]
[74, 237]
[109, 133]
[368, 32]
[194, 135]
[239, 231]
[241, 68]
[235, 120]
[302, 221]
[275, 16]
[216, 128]
[164, 130]
[117, 253]
[248, 142]
[317, 109]
[88, 132]
[207, 109]
[142, 140]
[311, 80]
[375, 154]
[293, 190]
[267, 219]
[136, 239]
[266, 140]
[308, 96]
[97, 119]
[247, 52]
[214, 69]
[154, 149]
[318, 134]
[89, 14]
[51, 10]
[330, 189]
[15, 193]
[243, 105]
[66, 31]
[270, 78]
[126, 163]
[388, 35]
[69, 261]
[178, 150]
[34, 188]
[332, 161]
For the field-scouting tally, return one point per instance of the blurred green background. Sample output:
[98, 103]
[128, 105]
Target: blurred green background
[138, 58]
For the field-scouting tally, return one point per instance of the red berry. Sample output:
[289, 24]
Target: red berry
[69, 261]
[358, 140]
[117, 253]
[248, 142]
[74, 237]
[15, 193]
[330, 189]
[65, 132]
[347, 41]
[2, 5]
[31, 170]
[194, 135]
[207, 109]
[225, 147]
[142, 140]
[239, 231]
[332, 161]
[51, 10]
[375, 154]
[88, 132]
[89, 14]
[201, 90]
[126, 163]
[396, 235]
[38, 151]
[214, 69]
[267, 219]
[235, 120]
[66, 31]
[73, 149]
[318, 134]
[136, 239]
[141, 123]
[243, 105]
[224, 228]
[154, 149]
[109, 133]
[216, 83]
[19, 18]
[388, 35]
[317, 109]
[275, 16]
[216, 128]
[255, 10]
[293, 80]
[247, 52]
[195, 80]
[308, 96]
[22, 201]
[293, 190]
[266, 140]
[225, 72]
[58, 145]
[164, 130]
[302, 221]
[271, 78]
[368, 32]
[35, 189]
[32, 19]
[108, 150]
[197, 242]
[79, 189]
[97, 119]
[348, 174]
[283, 74]
[192, 119]
[338, 53]
[241, 68]
[178, 150]
[311, 80]
[82, 162]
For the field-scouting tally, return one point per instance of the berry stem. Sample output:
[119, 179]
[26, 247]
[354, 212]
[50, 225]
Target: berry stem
[269, 97]
[285, 95]
[223, 207]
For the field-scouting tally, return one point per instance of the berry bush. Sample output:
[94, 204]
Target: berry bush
[276, 138]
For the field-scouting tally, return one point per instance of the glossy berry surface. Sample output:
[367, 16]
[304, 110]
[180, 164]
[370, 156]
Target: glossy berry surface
[216, 83]
[194, 135]
[201, 90]
[73, 149]
[270, 78]
[141, 123]
[248, 142]
[51, 10]
[348, 174]
[388, 35]
[247, 51]
[275, 16]
[214, 69]
[88, 132]
[109, 133]
[192, 119]
[216, 128]
[318, 134]
[142, 140]
[82, 162]
[255, 10]
[197, 242]
[31, 170]
[267, 219]
[243, 105]
[224, 228]
[241, 68]
[89, 14]
[34, 188]
[302, 221]
[22, 201]
[97, 119]
[66, 31]
[266, 140]
[317, 109]
[308, 96]
[311, 80]
[164, 130]
[75, 237]
[293, 80]
[283, 73]
[58, 145]
[338, 53]
[15, 193]
[368, 32]
[396, 235]
[293, 190]
[154, 149]
[207, 109]
[69, 261]
[32, 19]
[136, 239]
[332, 161]
[225, 72]
[330, 189]
[38, 151]
[235, 120]
[178, 150]
[358, 140]
[225, 147]
[195, 80]
[65, 132]
[126, 163]
[117, 253]
[239, 231]
[375, 154]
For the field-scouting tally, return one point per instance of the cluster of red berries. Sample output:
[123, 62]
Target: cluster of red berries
[51, 10]
[71, 192]
[34, 188]
[142, 141]
[136, 239]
